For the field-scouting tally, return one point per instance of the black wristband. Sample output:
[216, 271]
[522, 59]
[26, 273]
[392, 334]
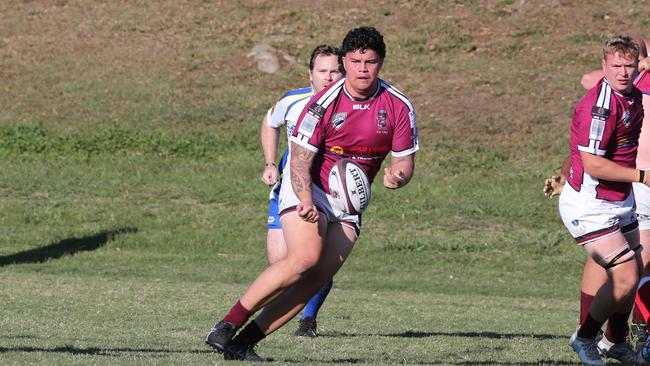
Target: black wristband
[269, 164]
[641, 176]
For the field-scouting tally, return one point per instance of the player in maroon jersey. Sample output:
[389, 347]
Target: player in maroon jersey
[595, 276]
[597, 204]
[360, 117]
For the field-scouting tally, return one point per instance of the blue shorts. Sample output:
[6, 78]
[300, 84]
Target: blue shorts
[273, 219]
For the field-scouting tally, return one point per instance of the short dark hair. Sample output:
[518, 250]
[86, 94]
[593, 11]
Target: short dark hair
[323, 50]
[364, 38]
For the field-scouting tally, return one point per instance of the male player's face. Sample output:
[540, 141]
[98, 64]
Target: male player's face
[362, 70]
[619, 71]
[326, 71]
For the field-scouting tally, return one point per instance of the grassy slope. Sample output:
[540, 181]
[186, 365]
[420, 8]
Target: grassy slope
[144, 117]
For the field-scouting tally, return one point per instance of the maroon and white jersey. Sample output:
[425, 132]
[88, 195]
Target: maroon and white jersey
[335, 126]
[607, 124]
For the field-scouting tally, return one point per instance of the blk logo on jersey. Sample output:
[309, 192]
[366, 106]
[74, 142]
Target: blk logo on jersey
[338, 119]
[382, 121]
[361, 107]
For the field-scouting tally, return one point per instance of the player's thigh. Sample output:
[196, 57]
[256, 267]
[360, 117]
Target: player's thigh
[611, 250]
[304, 239]
[276, 248]
[644, 236]
[338, 246]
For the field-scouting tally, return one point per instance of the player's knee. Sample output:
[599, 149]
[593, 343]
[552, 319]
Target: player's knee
[304, 263]
[626, 286]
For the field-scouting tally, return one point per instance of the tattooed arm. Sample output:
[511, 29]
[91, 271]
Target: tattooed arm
[301, 182]
[400, 171]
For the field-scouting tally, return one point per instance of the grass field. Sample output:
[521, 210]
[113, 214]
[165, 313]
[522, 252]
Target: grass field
[132, 216]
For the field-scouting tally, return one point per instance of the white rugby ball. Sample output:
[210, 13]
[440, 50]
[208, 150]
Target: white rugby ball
[349, 187]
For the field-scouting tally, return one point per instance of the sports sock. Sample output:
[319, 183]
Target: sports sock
[238, 315]
[314, 304]
[250, 335]
[617, 328]
[585, 305]
[642, 301]
[589, 328]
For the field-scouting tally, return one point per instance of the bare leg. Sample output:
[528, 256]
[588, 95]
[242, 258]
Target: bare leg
[617, 294]
[304, 245]
[593, 277]
[276, 247]
[339, 244]
[645, 252]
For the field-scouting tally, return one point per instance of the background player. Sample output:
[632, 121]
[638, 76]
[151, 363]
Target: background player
[591, 280]
[360, 117]
[324, 69]
[597, 204]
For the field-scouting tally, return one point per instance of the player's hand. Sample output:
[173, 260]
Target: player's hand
[553, 186]
[307, 211]
[270, 175]
[393, 179]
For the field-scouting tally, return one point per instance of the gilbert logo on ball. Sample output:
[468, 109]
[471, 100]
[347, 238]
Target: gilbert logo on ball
[349, 187]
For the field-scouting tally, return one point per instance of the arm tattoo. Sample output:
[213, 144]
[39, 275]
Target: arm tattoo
[301, 160]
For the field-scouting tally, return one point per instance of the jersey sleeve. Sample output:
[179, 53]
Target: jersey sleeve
[275, 117]
[310, 129]
[595, 128]
[405, 135]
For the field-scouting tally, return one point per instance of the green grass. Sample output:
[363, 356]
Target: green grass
[132, 215]
[164, 245]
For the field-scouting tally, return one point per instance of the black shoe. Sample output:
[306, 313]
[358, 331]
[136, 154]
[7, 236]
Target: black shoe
[220, 335]
[306, 328]
[237, 351]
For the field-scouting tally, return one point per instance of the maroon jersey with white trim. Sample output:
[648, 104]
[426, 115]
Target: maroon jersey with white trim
[362, 130]
[607, 124]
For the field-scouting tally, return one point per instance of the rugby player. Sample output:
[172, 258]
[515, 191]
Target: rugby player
[597, 203]
[594, 276]
[359, 117]
[324, 69]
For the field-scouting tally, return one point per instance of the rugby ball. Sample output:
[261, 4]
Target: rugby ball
[349, 187]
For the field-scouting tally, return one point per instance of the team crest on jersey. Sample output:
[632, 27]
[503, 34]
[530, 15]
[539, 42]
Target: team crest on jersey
[382, 121]
[626, 118]
[338, 119]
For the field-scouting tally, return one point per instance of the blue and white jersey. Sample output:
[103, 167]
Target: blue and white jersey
[285, 112]
[288, 109]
